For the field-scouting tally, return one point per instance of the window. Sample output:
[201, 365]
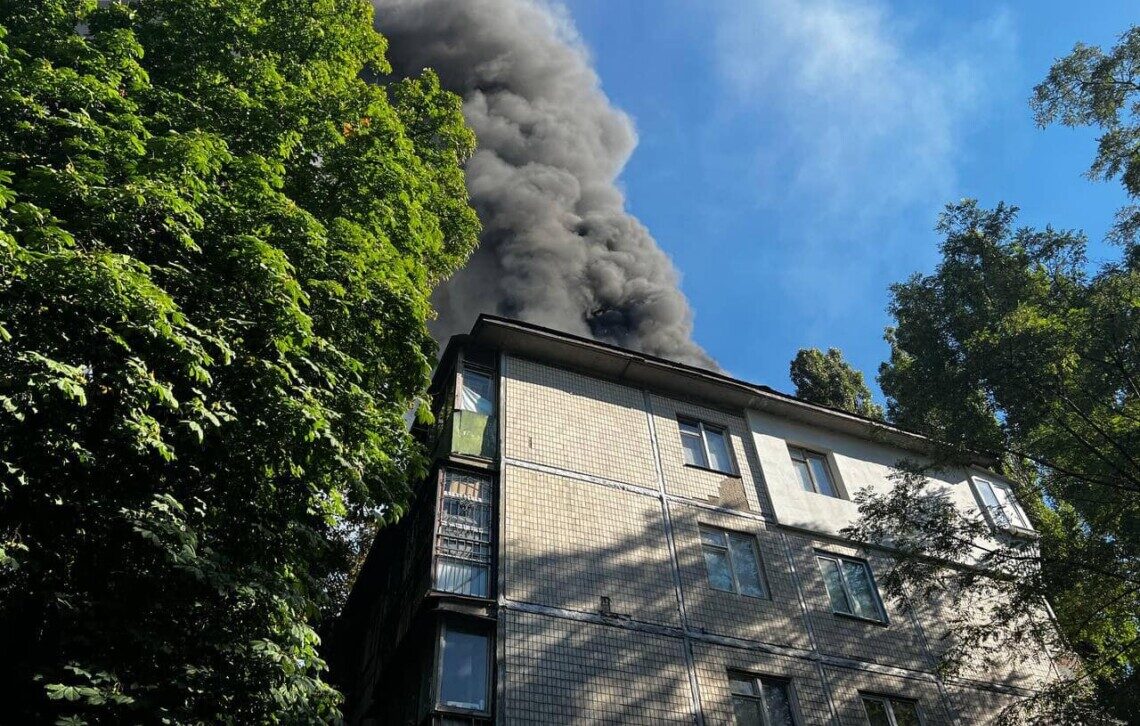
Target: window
[732, 563]
[813, 472]
[463, 542]
[705, 446]
[477, 392]
[1000, 506]
[464, 672]
[850, 587]
[760, 700]
[886, 711]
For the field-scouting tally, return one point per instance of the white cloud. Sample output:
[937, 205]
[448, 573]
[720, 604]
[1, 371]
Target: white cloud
[871, 106]
[853, 118]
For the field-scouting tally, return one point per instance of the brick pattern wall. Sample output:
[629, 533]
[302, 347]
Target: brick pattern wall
[561, 671]
[707, 486]
[777, 620]
[978, 706]
[1025, 668]
[570, 421]
[847, 686]
[895, 644]
[569, 542]
[714, 662]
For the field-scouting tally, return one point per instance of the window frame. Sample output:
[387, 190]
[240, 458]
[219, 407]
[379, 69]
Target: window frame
[1008, 526]
[883, 619]
[440, 531]
[444, 718]
[476, 628]
[890, 701]
[702, 427]
[808, 453]
[479, 370]
[757, 680]
[753, 542]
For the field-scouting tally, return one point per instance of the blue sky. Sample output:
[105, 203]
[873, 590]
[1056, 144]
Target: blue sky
[793, 157]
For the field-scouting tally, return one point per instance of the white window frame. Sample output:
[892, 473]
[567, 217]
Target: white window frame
[889, 702]
[998, 514]
[703, 427]
[839, 560]
[807, 453]
[751, 538]
[758, 684]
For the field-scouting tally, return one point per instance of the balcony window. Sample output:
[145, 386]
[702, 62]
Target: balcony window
[761, 701]
[473, 423]
[812, 470]
[464, 668]
[732, 562]
[477, 393]
[706, 446]
[851, 587]
[890, 711]
[1000, 506]
[463, 548]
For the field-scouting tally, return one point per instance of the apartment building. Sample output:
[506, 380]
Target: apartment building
[608, 537]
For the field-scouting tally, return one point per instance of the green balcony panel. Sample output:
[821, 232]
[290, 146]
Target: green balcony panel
[473, 434]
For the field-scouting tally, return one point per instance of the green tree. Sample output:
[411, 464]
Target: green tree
[217, 243]
[1092, 87]
[1016, 346]
[828, 379]
[1013, 348]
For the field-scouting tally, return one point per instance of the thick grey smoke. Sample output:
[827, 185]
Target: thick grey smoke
[558, 247]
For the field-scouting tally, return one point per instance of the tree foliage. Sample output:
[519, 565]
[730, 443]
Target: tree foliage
[217, 243]
[989, 591]
[1094, 87]
[1018, 347]
[1012, 348]
[828, 379]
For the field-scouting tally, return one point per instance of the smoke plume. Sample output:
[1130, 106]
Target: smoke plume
[558, 247]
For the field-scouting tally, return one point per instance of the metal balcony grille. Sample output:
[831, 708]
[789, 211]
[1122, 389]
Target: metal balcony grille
[463, 544]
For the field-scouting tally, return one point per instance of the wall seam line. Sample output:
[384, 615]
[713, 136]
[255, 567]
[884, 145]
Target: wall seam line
[501, 561]
[675, 565]
[633, 489]
[950, 710]
[672, 631]
[810, 630]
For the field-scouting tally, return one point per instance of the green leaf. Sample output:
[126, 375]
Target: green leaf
[196, 245]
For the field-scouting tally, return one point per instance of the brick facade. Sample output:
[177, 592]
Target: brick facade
[567, 543]
[602, 611]
[562, 671]
[584, 519]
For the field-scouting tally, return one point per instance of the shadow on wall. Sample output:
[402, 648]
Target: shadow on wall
[627, 665]
[558, 670]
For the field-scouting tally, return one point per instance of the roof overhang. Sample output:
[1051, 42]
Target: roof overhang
[612, 363]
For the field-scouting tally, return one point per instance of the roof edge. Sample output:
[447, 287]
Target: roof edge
[625, 365]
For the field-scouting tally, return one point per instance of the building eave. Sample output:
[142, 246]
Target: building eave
[621, 365]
